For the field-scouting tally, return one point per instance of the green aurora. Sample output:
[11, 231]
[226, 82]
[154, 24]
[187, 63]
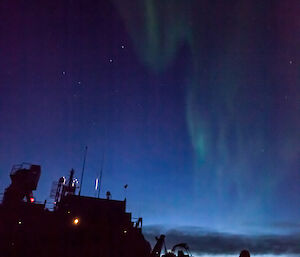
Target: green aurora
[241, 96]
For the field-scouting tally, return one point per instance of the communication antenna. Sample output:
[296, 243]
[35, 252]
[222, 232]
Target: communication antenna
[82, 172]
[125, 191]
[100, 175]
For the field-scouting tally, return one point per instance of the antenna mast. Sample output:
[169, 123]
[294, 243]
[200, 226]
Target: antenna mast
[100, 176]
[82, 172]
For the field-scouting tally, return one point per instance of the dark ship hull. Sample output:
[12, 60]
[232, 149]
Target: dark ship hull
[78, 226]
[81, 226]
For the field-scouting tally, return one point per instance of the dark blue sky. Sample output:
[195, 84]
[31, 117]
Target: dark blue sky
[195, 104]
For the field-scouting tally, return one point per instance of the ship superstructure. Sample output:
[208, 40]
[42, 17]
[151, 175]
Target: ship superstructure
[76, 226]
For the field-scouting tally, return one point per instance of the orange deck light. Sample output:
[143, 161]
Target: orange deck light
[76, 221]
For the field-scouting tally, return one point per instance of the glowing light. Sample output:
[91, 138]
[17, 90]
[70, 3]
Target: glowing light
[125, 231]
[31, 199]
[20, 222]
[76, 221]
[97, 183]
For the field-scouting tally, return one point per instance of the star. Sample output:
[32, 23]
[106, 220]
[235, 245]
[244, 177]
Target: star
[110, 60]
[63, 73]
[122, 46]
[291, 62]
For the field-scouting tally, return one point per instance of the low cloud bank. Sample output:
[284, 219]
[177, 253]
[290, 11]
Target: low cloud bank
[203, 241]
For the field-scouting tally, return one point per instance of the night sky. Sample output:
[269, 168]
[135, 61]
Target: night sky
[194, 104]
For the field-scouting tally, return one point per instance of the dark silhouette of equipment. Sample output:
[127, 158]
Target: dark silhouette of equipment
[156, 252]
[181, 252]
[158, 246]
[108, 195]
[139, 223]
[245, 253]
[24, 179]
[69, 188]
[65, 187]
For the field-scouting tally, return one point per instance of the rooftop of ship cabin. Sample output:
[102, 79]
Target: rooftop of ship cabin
[96, 204]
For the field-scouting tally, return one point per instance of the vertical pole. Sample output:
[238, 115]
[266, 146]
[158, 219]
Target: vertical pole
[101, 172]
[82, 172]
[125, 191]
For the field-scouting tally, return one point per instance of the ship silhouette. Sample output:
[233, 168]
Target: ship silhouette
[76, 226]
